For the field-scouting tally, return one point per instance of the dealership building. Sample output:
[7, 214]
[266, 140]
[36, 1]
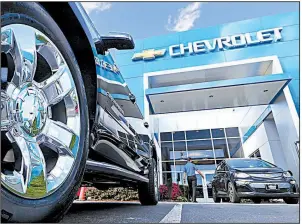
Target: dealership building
[226, 91]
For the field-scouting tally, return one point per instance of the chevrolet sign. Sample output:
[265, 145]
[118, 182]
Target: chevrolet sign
[148, 54]
[219, 44]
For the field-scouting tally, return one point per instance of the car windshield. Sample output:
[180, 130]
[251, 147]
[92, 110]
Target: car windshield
[249, 163]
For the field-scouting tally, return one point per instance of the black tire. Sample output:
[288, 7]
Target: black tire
[53, 207]
[291, 200]
[256, 200]
[215, 198]
[148, 192]
[232, 193]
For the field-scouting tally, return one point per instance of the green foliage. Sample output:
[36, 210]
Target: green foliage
[116, 193]
[181, 199]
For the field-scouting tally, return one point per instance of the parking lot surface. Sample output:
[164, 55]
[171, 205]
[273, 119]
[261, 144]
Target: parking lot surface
[132, 212]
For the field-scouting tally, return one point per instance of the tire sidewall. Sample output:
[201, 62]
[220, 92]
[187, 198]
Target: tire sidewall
[50, 207]
[155, 180]
[230, 185]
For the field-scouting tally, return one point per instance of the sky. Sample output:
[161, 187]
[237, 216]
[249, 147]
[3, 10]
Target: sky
[147, 19]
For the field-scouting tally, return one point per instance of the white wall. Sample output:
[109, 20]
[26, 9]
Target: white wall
[287, 133]
[275, 143]
[258, 140]
[207, 119]
[266, 139]
[250, 117]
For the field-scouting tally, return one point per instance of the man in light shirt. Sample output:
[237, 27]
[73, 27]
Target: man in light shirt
[189, 174]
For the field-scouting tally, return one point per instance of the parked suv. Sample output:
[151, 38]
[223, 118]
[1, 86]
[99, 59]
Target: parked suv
[253, 179]
[66, 111]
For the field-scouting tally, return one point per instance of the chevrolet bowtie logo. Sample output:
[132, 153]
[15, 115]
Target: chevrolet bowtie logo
[148, 54]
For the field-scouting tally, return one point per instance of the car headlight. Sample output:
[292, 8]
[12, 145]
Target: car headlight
[287, 174]
[242, 175]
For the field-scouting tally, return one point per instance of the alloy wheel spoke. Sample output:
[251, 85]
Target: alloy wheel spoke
[58, 86]
[5, 121]
[48, 52]
[25, 60]
[30, 180]
[59, 136]
[65, 142]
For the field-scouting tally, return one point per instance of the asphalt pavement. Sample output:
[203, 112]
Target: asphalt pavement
[133, 212]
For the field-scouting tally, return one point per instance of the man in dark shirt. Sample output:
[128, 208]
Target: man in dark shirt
[189, 171]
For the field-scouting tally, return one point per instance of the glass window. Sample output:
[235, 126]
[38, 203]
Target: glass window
[232, 132]
[218, 133]
[201, 154]
[199, 180]
[220, 145]
[205, 164]
[166, 147]
[234, 145]
[219, 153]
[199, 134]
[177, 178]
[166, 136]
[180, 168]
[199, 145]
[168, 166]
[171, 155]
[209, 178]
[199, 189]
[178, 135]
[179, 146]
[249, 163]
[167, 177]
[180, 155]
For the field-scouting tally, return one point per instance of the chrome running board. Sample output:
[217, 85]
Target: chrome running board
[109, 169]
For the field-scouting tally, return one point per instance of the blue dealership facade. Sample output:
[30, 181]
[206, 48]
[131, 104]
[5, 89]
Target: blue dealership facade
[230, 90]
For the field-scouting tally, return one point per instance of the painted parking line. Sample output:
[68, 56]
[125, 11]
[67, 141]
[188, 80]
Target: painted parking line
[233, 204]
[174, 216]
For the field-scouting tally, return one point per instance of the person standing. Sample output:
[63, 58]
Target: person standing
[189, 174]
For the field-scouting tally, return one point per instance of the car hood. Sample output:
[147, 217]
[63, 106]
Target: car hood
[259, 170]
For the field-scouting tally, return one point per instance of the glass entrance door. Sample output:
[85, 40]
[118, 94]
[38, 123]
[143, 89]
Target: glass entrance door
[204, 187]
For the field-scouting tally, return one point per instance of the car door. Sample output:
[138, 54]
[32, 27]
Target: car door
[221, 178]
[225, 178]
[118, 104]
[216, 178]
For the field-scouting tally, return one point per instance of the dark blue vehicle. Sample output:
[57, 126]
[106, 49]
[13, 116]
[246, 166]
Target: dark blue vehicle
[255, 179]
[68, 117]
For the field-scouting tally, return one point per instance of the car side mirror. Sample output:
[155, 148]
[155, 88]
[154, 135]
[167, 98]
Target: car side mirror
[146, 124]
[120, 41]
[291, 173]
[132, 98]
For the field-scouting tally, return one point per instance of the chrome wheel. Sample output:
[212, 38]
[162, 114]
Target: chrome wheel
[40, 114]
